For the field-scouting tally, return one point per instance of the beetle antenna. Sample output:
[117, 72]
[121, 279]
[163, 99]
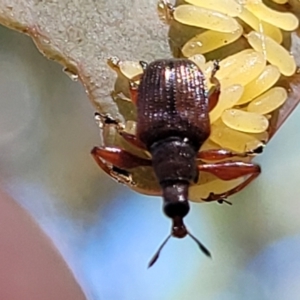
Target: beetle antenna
[201, 246]
[156, 255]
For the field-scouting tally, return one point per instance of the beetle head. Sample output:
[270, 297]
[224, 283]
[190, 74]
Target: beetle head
[176, 207]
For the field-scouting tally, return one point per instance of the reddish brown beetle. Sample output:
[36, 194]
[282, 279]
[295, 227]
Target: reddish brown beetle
[172, 124]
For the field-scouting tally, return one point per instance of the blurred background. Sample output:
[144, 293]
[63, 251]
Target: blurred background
[107, 233]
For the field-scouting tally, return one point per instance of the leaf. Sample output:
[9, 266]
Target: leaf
[82, 34]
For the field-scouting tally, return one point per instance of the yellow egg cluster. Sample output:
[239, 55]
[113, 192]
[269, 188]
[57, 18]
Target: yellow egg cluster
[247, 77]
[251, 74]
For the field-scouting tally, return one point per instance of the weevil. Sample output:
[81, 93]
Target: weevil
[173, 107]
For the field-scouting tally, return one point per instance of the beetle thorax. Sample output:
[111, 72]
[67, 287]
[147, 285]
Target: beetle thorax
[174, 160]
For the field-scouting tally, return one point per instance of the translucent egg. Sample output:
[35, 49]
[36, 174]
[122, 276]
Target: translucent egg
[230, 62]
[228, 7]
[199, 60]
[280, 1]
[284, 20]
[228, 138]
[261, 26]
[274, 53]
[259, 85]
[210, 40]
[130, 69]
[205, 18]
[228, 98]
[268, 101]
[241, 68]
[245, 121]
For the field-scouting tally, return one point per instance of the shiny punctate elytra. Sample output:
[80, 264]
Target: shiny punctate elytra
[172, 101]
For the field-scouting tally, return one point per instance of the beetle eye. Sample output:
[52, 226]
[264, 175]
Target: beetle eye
[176, 209]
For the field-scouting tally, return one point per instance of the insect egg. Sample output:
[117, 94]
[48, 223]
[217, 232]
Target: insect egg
[276, 54]
[284, 20]
[228, 7]
[245, 121]
[268, 101]
[205, 18]
[267, 78]
[228, 98]
[210, 40]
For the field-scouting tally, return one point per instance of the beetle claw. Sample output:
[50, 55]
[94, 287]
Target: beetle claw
[256, 151]
[216, 197]
[113, 62]
[212, 197]
[122, 176]
[222, 201]
[103, 120]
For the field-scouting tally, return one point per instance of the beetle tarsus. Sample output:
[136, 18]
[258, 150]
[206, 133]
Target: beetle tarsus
[214, 197]
[143, 64]
[166, 10]
[216, 68]
[114, 172]
[222, 201]
[256, 151]
[113, 62]
[106, 119]
[215, 90]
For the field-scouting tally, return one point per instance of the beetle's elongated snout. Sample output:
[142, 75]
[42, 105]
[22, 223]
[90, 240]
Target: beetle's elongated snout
[175, 198]
[176, 206]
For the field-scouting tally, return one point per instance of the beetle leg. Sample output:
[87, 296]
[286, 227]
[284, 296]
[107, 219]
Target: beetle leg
[119, 157]
[133, 90]
[230, 170]
[215, 90]
[215, 69]
[134, 83]
[132, 139]
[113, 62]
[222, 197]
[106, 119]
[219, 154]
[119, 96]
[117, 174]
[143, 64]
[166, 10]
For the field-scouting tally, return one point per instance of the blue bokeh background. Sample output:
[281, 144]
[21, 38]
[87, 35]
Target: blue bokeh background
[107, 233]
